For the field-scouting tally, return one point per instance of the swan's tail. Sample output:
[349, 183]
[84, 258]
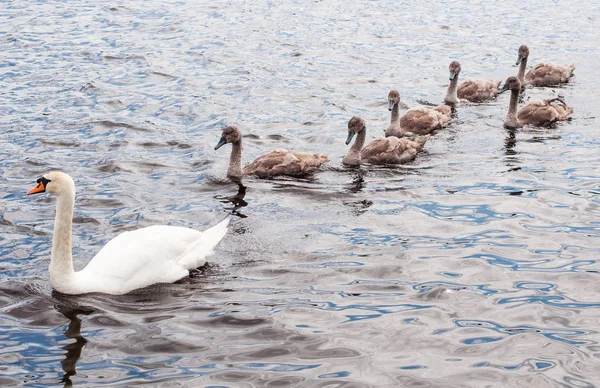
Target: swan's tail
[195, 256]
[421, 140]
[217, 232]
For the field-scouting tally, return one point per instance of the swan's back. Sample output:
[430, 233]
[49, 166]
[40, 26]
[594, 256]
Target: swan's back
[283, 162]
[537, 113]
[423, 121]
[419, 120]
[478, 90]
[547, 74]
[392, 150]
[155, 254]
[544, 112]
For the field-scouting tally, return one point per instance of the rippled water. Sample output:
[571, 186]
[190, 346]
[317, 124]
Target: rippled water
[476, 265]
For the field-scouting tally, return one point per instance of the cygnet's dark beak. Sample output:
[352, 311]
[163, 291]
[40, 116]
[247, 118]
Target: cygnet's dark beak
[350, 136]
[391, 104]
[452, 75]
[519, 60]
[503, 89]
[221, 143]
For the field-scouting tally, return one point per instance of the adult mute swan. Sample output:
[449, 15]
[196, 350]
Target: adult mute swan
[132, 260]
[382, 150]
[539, 113]
[277, 162]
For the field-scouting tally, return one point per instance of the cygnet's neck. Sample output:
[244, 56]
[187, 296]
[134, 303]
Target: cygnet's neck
[394, 128]
[512, 120]
[235, 160]
[353, 155]
[521, 73]
[451, 96]
[61, 262]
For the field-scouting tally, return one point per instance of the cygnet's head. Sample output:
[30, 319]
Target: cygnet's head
[393, 99]
[454, 69]
[229, 134]
[512, 83]
[355, 125]
[523, 53]
[54, 182]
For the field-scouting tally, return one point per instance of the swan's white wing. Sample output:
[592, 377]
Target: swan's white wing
[155, 254]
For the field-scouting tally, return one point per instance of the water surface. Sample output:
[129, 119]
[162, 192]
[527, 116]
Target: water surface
[475, 265]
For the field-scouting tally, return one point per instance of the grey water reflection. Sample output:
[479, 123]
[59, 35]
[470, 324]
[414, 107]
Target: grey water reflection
[237, 201]
[73, 349]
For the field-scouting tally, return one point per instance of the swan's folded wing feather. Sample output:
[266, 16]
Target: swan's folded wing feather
[269, 164]
[478, 90]
[283, 162]
[467, 90]
[563, 110]
[547, 74]
[311, 160]
[392, 150]
[537, 113]
[419, 120]
[409, 148]
[147, 255]
[197, 252]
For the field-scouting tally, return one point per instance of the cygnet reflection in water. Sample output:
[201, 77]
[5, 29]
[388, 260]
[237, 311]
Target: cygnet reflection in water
[236, 200]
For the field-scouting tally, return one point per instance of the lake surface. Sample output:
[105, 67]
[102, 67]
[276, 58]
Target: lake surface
[476, 265]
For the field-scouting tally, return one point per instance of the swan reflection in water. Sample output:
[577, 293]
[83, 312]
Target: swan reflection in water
[510, 142]
[236, 200]
[358, 180]
[73, 332]
[356, 187]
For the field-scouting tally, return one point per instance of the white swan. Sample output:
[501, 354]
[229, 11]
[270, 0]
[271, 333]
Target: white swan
[132, 260]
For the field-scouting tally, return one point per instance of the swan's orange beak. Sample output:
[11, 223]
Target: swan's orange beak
[40, 188]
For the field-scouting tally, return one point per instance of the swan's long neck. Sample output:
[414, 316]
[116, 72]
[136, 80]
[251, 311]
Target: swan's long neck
[394, 128]
[61, 262]
[395, 120]
[521, 73]
[451, 96]
[511, 120]
[353, 155]
[235, 160]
